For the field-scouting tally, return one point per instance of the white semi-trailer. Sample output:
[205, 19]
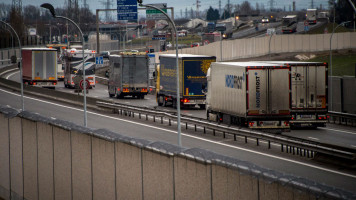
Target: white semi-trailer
[256, 95]
[39, 67]
[309, 93]
[311, 16]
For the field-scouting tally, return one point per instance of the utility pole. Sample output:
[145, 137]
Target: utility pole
[271, 4]
[228, 6]
[197, 11]
[219, 7]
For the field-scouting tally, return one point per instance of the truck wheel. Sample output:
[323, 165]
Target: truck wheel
[111, 95]
[160, 100]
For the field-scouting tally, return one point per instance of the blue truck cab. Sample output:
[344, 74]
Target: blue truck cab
[192, 79]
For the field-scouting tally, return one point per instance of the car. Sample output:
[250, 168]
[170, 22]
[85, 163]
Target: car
[195, 44]
[105, 54]
[265, 20]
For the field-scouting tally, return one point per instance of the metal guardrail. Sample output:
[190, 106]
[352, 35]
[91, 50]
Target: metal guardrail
[342, 118]
[288, 144]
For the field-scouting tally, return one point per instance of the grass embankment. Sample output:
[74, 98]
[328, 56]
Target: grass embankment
[343, 64]
[330, 27]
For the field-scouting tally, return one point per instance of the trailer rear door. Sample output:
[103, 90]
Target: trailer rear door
[268, 91]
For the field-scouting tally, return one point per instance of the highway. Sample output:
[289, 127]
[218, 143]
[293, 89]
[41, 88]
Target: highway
[133, 127]
[337, 135]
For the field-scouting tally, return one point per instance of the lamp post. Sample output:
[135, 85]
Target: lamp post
[331, 63]
[51, 9]
[177, 66]
[18, 39]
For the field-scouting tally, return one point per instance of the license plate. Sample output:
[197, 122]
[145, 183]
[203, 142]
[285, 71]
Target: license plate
[305, 116]
[269, 123]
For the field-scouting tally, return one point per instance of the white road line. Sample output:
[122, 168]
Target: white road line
[4, 72]
[354, 146]
[195, 137]
[313, 138]
[353, 133]
[8, 76]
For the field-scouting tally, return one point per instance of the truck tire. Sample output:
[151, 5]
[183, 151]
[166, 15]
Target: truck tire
[202, 106]
[160, 100]
[111, 95]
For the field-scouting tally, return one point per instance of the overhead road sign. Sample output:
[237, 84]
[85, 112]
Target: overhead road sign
[154, 14]
[126, 9]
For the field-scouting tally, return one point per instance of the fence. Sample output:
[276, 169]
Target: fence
[45, 158]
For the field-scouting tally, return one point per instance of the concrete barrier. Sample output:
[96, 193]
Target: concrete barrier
[45, 158]
[250, 47]
[4, 158]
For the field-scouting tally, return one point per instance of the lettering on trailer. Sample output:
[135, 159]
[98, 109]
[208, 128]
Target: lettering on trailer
[258, 88]
[233, 81]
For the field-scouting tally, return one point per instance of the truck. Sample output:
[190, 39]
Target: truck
[192, 79]
[73, 66]
[289, 24]
[129, 75]
[311, 16]
[309, 93]
[249, 94]
[39, 67]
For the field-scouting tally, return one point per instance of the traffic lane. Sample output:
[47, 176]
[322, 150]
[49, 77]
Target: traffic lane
[133, 127]
[101, 91]
[332, 135]
[252, 29]
[328, 135]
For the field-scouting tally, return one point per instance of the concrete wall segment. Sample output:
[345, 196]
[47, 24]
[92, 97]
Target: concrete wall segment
[128, 171]
[62, 163]
[16, 161]
[81, 165]
[4, 157]
[157, 175]
[30, 167]
[45, 161]
[103, 153]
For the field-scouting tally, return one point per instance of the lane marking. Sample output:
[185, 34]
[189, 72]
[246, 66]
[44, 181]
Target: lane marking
[353, 146]
[343, 131]
[194, 137]
[4, 72]
[8, 76]
[313, 138]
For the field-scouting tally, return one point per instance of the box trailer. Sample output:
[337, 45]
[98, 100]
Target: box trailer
[128, 75]
[311, 16]
[39, 67]
[289, 24]
[192, 79]
[309, 93]
[256, 95]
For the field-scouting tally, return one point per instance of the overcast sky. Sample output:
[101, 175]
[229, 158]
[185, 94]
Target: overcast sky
[181, 5]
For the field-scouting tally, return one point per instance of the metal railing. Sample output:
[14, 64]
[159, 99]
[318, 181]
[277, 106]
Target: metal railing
[293, 145]
[342, 118]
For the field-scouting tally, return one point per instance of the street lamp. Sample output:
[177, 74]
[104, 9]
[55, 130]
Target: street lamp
[331, 64]
[137, 27]
[177, 66]
[18, 39]
[51, 9]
